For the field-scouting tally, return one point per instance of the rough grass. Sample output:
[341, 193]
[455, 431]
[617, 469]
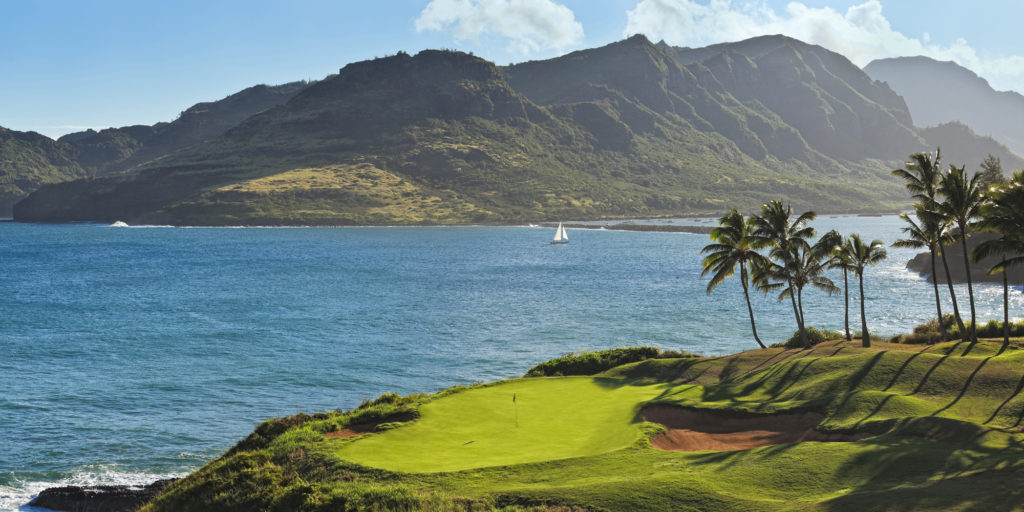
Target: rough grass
[368, 192]
[948, 419]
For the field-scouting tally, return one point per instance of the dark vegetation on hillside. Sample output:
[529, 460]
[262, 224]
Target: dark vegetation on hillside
[630, 129]
[29, 160]
[592, 363]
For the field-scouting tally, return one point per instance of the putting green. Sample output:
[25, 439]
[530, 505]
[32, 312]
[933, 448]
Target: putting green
[558, 418]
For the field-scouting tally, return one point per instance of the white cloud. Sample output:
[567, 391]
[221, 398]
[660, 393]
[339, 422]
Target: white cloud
[862, 33]
[528, 25]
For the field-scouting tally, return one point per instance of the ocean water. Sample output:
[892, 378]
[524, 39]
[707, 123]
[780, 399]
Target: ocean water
[129, 354]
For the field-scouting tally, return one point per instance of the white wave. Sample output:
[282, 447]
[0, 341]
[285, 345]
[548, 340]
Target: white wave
[15, 497]
[123, 224]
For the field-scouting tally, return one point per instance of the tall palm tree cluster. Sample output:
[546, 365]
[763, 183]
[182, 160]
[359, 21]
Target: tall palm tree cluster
[776, 252]
[949, 206]
[792, 260]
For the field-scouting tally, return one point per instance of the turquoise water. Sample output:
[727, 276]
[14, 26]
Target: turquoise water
[131, 353]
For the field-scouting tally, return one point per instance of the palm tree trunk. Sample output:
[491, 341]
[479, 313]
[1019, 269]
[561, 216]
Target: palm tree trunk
[799, 317]
[952, 295]
[803, 323]
[970, 285]
[865, 339]
[1006, 311]
[938, 303]
[750, 310]
[846, 297]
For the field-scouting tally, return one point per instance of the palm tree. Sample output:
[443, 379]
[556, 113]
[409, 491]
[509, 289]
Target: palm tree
[804, 266]
[776, 228]
[962, 202]
[732, 245]
[863, 255]
[922, 175]
[840, 258]
[1004, 214]
[930, 231]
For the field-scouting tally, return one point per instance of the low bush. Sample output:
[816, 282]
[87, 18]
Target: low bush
[814, 336]
[592, 363]
[928, 332]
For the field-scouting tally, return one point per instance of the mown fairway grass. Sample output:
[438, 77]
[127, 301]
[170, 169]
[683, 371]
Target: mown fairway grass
[559, 417]
[947, 425]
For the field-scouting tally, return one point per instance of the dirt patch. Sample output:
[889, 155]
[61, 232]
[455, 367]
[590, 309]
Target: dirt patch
[691, 430]
[352, 431]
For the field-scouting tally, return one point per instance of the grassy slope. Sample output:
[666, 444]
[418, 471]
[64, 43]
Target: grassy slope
[948, 423]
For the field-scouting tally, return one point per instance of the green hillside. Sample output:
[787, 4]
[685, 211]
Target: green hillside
[626, 130]
[29, 160]
[621, 130]
[118, 149]
[894, 427]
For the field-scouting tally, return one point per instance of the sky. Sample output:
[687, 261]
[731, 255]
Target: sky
[69, 65]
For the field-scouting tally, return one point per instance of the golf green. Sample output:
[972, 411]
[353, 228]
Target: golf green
[551, 418]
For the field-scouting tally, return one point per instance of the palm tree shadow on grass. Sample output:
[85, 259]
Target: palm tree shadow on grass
[903, 367]
[1020, 386]
[855, 379]
[963, 390]
[916, 474]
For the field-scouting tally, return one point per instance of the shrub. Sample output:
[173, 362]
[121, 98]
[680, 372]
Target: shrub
[994, 329]
[592, 363]
[814, 336]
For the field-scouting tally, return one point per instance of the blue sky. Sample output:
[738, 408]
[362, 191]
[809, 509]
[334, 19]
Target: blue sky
[68, 65]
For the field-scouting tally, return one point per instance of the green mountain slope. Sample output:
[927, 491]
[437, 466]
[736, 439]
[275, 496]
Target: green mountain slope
[835, 107]
[629, 129]
[961, 146]
[447, 137]
[29, 160]
[117, 149]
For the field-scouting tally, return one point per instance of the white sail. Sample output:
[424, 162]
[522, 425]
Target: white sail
[558, 233]
[561, 237]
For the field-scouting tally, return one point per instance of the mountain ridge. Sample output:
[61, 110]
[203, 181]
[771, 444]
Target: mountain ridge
[964, 97]
[623, 130]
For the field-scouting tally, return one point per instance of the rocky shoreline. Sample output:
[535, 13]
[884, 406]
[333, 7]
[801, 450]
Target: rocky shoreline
[921, 263]
[99, 498]
[665, 228]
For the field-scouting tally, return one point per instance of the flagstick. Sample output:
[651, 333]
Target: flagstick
[515, 409]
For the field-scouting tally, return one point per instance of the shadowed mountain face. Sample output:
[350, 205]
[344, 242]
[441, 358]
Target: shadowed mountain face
[942, 92]
[29, 160]
[629, 129]
[118, 149]
[835, 107]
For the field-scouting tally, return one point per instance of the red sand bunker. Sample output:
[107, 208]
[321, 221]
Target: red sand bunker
[691, 430]
[352, 430]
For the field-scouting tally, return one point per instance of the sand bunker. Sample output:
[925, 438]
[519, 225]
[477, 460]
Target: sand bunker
[352, 430]
[691, 430]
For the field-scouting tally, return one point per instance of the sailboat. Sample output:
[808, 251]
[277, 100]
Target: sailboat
[560, 235]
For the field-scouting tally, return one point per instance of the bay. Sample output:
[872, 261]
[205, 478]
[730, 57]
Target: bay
[131, 353]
